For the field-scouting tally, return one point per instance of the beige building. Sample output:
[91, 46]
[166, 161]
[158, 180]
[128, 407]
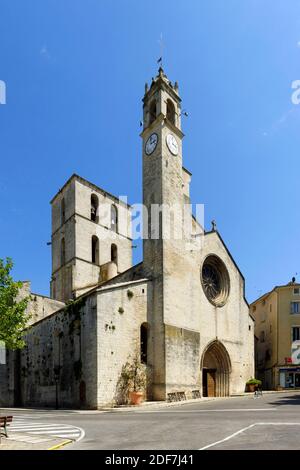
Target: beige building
[277, 331]
[182, 308]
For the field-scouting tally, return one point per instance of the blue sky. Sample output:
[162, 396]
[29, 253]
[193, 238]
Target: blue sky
[75, 73]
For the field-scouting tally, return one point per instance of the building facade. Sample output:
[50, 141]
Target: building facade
[277, 329]
[182, 309]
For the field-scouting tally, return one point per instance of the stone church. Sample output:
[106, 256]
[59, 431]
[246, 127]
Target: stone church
[182, 309]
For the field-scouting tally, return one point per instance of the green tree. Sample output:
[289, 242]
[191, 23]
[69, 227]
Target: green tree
[13, 315]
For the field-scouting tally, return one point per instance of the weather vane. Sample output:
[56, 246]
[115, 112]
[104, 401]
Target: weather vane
[161, 44]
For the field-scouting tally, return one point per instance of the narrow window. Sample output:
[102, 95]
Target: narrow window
[296, 291]
[63, 211]
[144, 343]
[114, 218]
[171, 112]
[94, 208]
[114, 253]
[62, 252]
[152, 112]
[295, 307]
[296, 333]
[95, 250]
[262, 336]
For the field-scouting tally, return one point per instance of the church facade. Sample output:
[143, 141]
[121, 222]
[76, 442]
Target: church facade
[182, 310]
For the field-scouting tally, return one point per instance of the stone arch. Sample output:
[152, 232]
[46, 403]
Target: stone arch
[114, 253]
[171, 114]
[114, 218]
[144, 333]
[152, 112]
[95, 250]
[216, 368]
[94, 208]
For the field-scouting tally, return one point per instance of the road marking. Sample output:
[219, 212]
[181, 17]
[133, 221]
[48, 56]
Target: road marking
[41, 426]
[246, 429]
[206, 411]
[58, 446]
[278, 424]
[30, 439]
[228, 437]
[32, 427]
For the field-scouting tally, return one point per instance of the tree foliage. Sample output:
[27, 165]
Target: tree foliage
[13, 315]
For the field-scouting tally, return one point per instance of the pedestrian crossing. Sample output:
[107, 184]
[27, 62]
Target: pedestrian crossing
[34, 428]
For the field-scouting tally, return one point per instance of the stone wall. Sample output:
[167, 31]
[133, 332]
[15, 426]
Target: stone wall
[122, 308]
[60, 346]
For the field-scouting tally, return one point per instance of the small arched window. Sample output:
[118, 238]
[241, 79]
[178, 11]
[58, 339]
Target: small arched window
[94, 208]
[63, 211]
[114, 253]
[62, 252]
[95, 250]
[152, 112]
[171, 112]
[114, 218]
[144, 342]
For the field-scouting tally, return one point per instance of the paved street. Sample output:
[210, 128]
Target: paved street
[269, 422]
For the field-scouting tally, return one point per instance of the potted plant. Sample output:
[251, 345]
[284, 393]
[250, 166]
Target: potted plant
[252, 384]
[134, 376]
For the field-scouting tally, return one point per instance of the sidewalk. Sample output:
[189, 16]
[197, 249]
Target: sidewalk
[147, 404]
[164, 404]
[22, 441]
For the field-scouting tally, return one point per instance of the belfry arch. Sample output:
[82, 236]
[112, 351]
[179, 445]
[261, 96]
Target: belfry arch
[216, 369]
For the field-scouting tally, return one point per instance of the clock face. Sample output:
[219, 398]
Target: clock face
[151, 144]
[172, 144]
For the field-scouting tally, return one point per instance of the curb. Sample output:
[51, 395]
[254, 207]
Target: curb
[148, 406]
[154, 405]
[62, 444]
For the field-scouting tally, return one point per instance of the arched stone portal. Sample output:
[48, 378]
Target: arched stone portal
[216, 368]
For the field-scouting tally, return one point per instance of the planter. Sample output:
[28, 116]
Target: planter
[251, 387]
[136, 398]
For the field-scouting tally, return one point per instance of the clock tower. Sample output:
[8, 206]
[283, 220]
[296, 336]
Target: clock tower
[164, 196]
[162, 161]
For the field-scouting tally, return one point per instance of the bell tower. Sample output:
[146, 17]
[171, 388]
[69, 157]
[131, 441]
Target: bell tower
[162, 160]
[163, 199]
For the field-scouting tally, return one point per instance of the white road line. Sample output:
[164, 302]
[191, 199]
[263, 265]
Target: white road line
[41, 426]
[57, 432]
[32, 427]
[278, 424]
[82, 434]
[246, 429]
[228, 437]
[46, 430]
[206, 411]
